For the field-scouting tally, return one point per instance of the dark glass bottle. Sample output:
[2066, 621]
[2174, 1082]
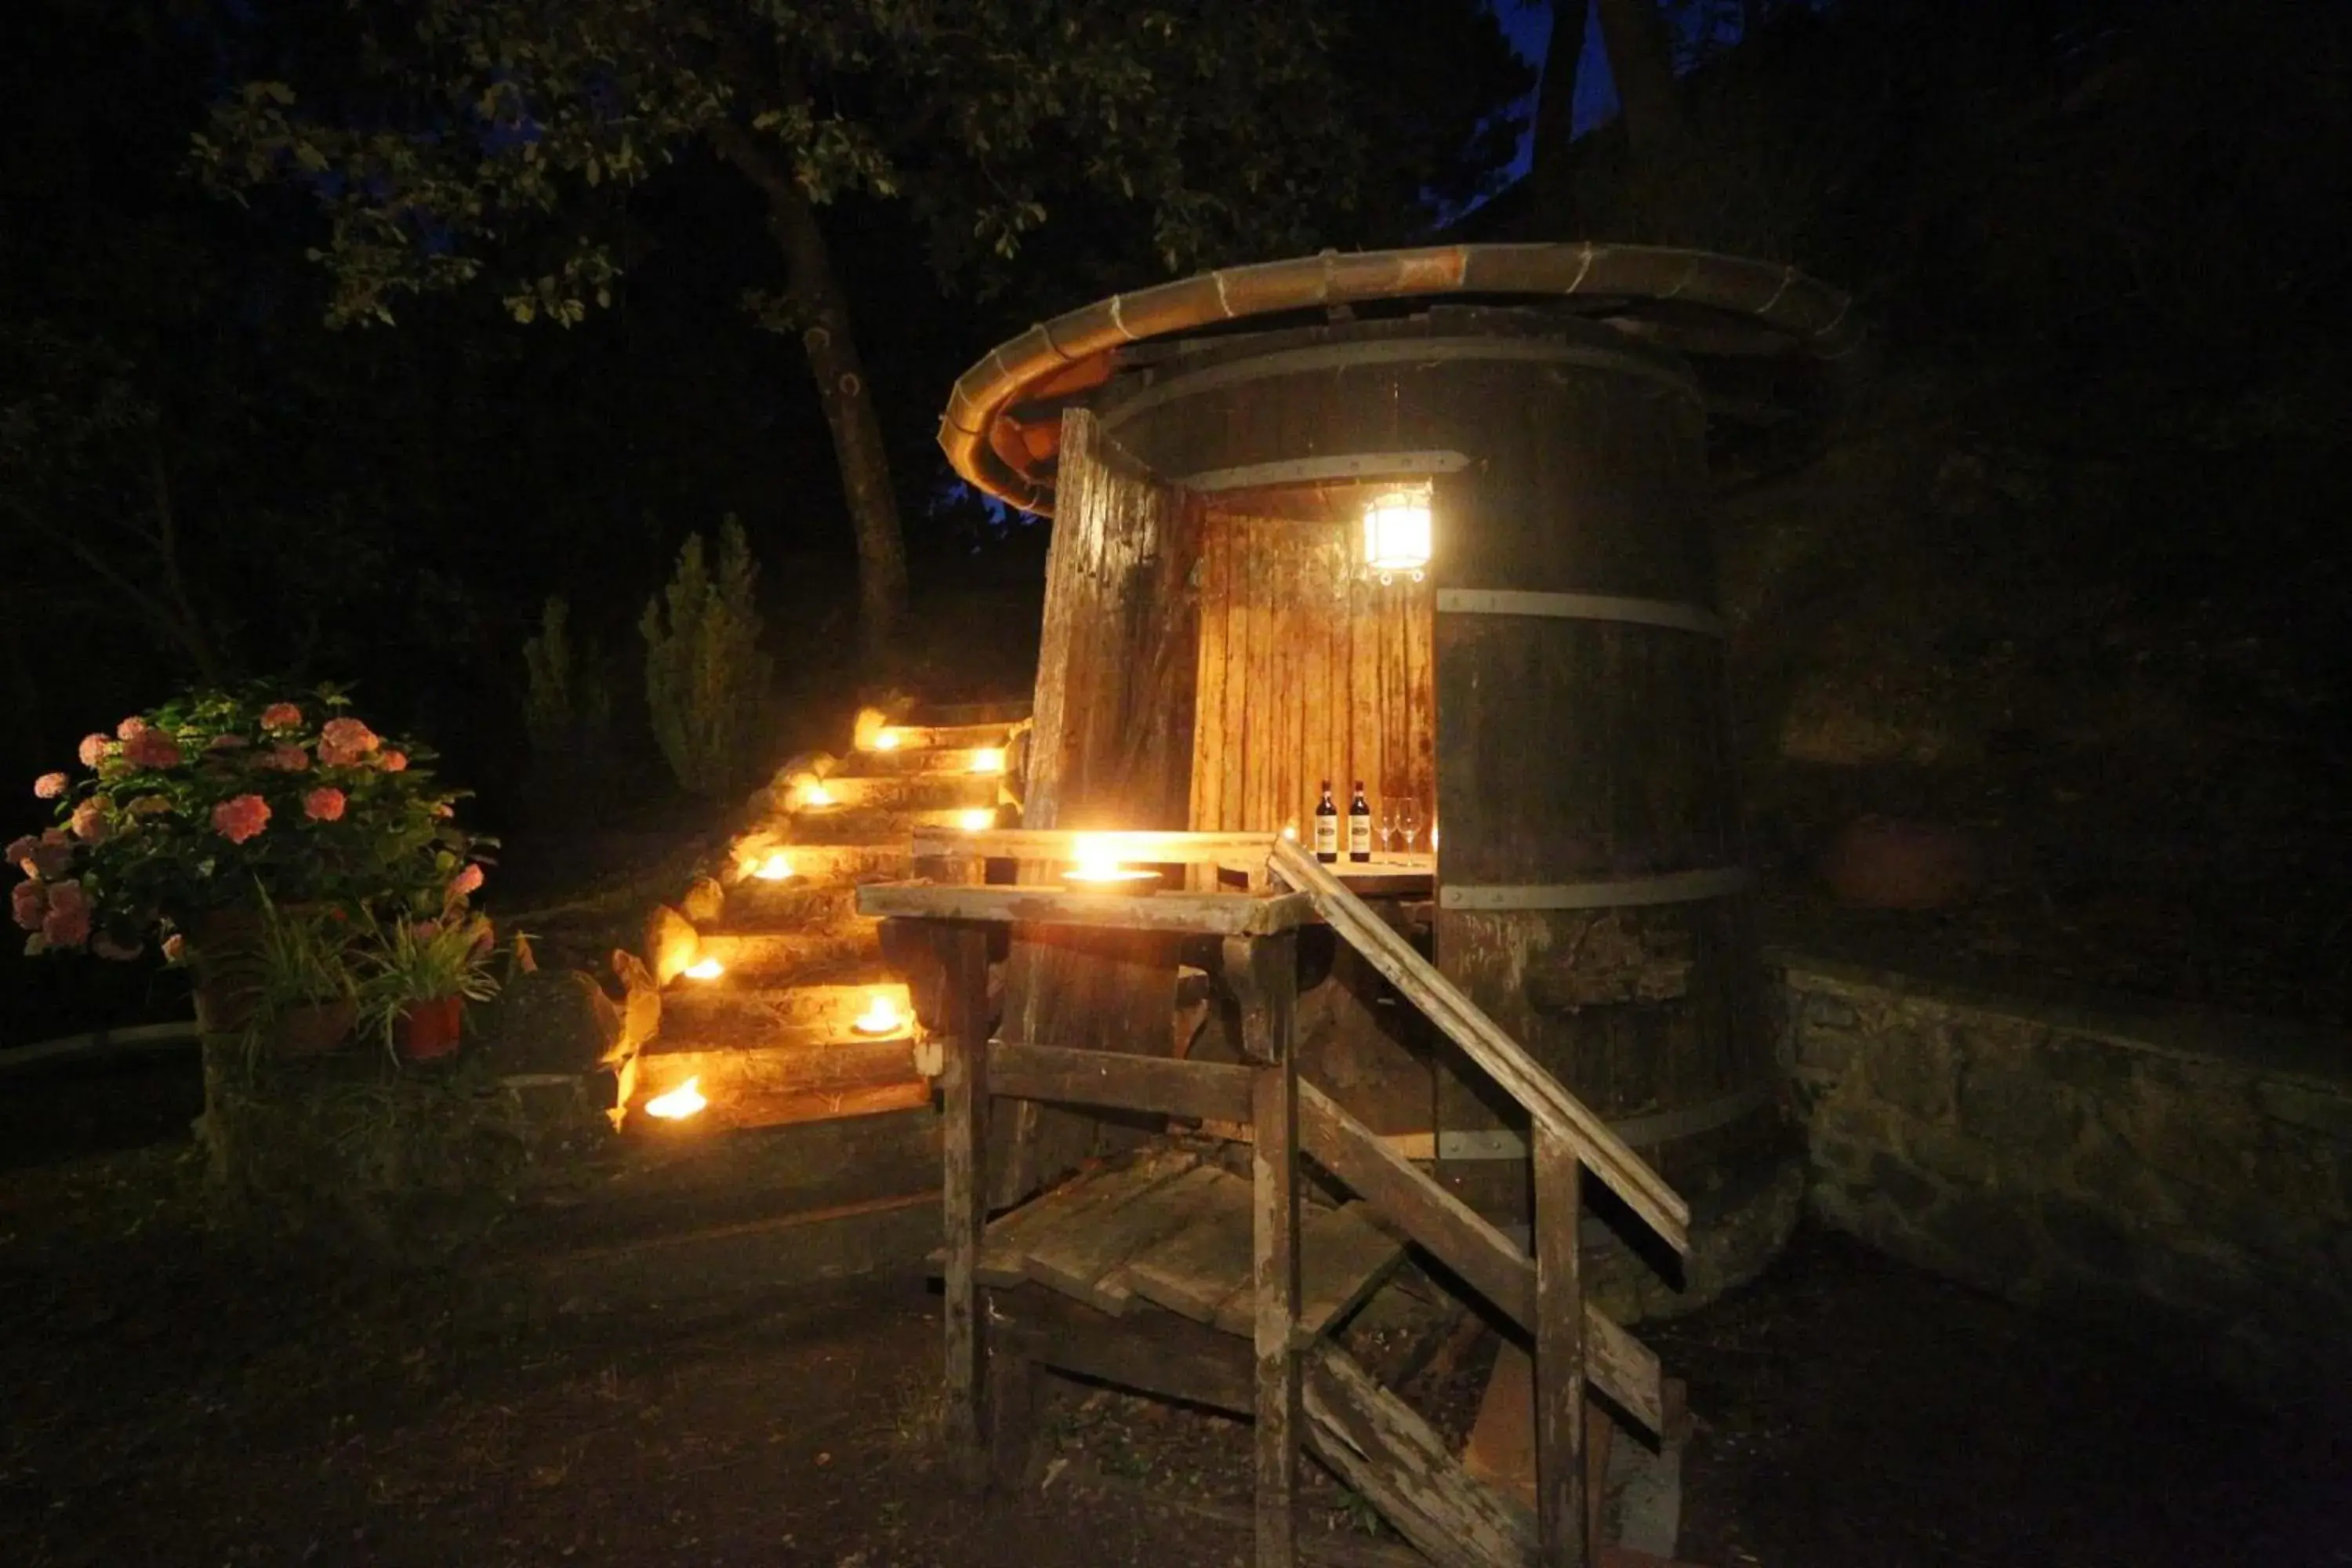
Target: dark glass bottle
[1326, 826]
[1359, 825]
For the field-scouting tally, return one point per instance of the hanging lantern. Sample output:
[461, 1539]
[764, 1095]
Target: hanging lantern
[1397, 532]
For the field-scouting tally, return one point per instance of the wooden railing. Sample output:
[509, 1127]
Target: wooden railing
[1543, 1293]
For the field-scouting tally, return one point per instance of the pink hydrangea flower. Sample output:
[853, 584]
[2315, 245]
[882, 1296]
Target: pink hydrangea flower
[286, 758]
[28, 905]
[239, 818]
[175, 947]
[90, 824]
[95, 749]
[51, 857]
[107, 947]
[346, 742]
[465, 881]
[281, 716]
[20, 849]
[134, 725]
[50, 786]
[151, 749]
[392, 761]
[66, 923]
[323, 805]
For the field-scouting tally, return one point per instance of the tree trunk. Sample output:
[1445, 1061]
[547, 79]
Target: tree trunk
[822, 313]
[1551, 210]
[1642, 62]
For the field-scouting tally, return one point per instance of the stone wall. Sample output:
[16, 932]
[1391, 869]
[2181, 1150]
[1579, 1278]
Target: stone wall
[2187, 1178]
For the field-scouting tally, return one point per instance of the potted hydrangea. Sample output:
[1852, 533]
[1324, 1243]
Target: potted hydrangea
[219, 826]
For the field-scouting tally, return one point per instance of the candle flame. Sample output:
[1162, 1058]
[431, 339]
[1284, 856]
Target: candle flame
[705, 969]
[776, 868]
[881, 1015]
[815, 793]
[884, 740]
[977, 819]
[678, 1103]
[1098, 857]
[1290, 831]
[988, 760]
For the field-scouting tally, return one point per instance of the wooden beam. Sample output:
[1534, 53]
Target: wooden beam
[1561, 1524]
[1626, 1173]
[1210, 914]
[963, 1081]
[1264, 975]
[1152, 847]
[1121, 1082]
[1386, 1452]
[1625, 1370]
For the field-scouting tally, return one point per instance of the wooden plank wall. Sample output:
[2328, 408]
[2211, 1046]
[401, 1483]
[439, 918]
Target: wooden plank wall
[1305, 673]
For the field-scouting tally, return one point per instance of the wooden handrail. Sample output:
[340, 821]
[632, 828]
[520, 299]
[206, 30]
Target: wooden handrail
[1608, 1156]
[1136, 849]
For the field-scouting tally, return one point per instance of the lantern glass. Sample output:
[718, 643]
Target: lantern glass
[1397, 531]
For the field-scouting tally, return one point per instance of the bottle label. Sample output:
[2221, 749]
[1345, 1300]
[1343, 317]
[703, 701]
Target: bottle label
[1327, 836]
[1360, 836]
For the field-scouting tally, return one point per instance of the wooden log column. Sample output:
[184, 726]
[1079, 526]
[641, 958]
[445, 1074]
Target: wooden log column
[962, 953]
[1563, 1525]
[1264, 975]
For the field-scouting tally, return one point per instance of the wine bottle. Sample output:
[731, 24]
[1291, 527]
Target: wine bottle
[1359, 825]
[1326, 827]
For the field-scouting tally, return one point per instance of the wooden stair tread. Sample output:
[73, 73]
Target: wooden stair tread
[1004, 1251]
[1087, 1259]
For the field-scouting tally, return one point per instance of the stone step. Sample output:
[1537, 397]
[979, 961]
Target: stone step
[874, 829]
[921, 760]
[719, 1016]
[775, 958]
[921, 736]
[791, 905]
[779, 1084]
[915, 791]
[816, 866]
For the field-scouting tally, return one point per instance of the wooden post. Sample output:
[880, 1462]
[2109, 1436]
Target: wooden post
[1561, 1524]
[963, 950]
[1264, 973]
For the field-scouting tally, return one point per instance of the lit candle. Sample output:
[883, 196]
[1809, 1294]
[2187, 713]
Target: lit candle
[988, 760]
[881, 1015]
[976, 819]
[678, 1103]
[884, 740]
[1099, 871]
[776, 868]
[705, 969]
[815, 793]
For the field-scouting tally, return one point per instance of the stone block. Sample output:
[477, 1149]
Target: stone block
[2006, 1101]
[1823, 1049]
[2314, 1109]
[1828, 1012]
[1953, 1156]
[549, 1021]
[2100, 1070]
[1905, 1188]
[1911, 1066]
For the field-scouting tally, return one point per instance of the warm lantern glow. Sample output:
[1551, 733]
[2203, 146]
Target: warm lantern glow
[678, 1103]
[1098, 870]
[1397, 532]
[776, 868]
[884, 740]
[988, 760]
[976, 819]
[815, 793]
[881, 1015]
[705, 969]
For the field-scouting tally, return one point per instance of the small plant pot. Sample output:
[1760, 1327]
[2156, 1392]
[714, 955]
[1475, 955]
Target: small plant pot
[429, 1029]
[312, 1030]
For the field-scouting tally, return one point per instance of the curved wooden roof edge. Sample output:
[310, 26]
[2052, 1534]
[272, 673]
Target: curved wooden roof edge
[1072, 350]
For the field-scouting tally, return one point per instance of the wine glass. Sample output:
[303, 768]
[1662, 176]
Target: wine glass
[1408, 823]
[1387, 825]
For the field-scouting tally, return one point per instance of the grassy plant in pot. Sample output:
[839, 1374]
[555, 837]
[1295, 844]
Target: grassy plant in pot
[298, 993]
[418, 975]
[233, 830]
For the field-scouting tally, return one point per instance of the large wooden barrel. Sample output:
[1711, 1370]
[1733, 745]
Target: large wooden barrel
[1590, 894]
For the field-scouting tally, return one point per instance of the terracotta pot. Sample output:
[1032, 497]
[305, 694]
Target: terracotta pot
[313, 1030]
[429, 1029]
